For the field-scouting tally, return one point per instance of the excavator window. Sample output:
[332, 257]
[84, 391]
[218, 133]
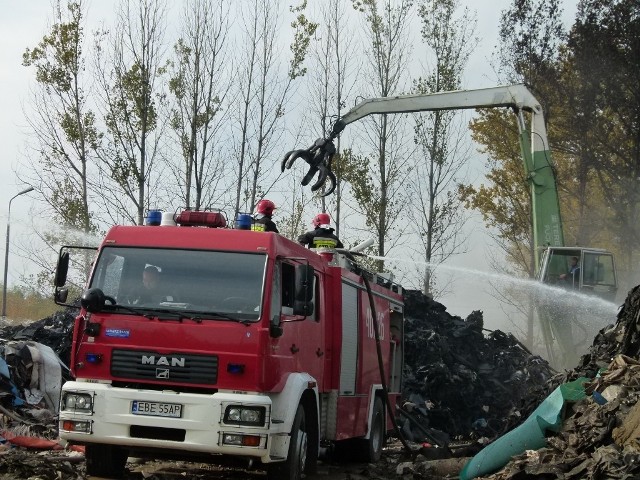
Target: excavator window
[598, 269]
[560, 269]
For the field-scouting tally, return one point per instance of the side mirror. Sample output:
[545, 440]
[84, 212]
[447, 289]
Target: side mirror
[275, 328]
[62, 269]
[303, 304]
[60, 295]
[304, 283]
[275, 331]
[92, 300]
[303, 308]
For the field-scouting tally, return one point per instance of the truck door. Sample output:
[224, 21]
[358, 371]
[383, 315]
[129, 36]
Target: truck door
[302, 336]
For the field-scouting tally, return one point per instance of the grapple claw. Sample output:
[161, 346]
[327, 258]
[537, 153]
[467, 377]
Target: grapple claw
[307, 178]
[333, 181]
[284, 163]
[292, 156]
[318, 156]
[322, 176]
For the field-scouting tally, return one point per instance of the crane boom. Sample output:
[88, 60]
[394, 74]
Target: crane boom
[547, 224]
[517, 96]
[595, 273]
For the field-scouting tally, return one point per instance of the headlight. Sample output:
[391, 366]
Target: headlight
[79, 402]
[244, 415]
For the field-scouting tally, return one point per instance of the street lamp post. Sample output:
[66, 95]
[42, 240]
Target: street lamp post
[6, 254]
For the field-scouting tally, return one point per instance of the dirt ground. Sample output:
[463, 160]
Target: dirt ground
[19, 463]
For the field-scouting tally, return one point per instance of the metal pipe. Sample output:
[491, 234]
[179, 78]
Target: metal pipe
[6, 253]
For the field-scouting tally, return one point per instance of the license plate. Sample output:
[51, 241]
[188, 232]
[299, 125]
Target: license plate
[156, 409]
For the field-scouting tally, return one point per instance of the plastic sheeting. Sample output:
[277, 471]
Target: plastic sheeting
[37, 371]
[531, 435]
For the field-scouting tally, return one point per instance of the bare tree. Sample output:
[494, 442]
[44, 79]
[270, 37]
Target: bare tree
[200, 86]
[65, 138]
[128, 76]
[245, 75]
[265, 92]
[379, 195]
[334, 65]
[443, 152]
[62, 124]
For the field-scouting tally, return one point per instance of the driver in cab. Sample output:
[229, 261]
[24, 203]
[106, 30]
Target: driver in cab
[151, 291]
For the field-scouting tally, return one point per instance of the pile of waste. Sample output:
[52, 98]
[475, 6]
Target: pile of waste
[600, 434]
[33, 362]
[462, 379]
[54, 331]
[32, 370]
[33, 366]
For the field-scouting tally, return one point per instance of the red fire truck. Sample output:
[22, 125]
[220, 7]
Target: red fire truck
[220, 343]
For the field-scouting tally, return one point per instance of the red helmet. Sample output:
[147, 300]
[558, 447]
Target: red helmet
[265, 207]
[321, 219]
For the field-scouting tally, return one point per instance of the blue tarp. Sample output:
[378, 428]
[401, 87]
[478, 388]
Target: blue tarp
[4, 372]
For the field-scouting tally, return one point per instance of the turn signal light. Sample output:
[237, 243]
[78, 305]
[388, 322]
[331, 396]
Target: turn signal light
[251, 441]
[77, 427]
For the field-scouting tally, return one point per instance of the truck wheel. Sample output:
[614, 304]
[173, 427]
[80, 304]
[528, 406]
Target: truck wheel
[371, 448]
[105, 460]
[296, 463]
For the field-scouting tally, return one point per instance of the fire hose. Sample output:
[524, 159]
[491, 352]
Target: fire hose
[383, 382]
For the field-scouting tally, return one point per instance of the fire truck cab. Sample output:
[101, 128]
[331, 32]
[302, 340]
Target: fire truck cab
[244, 345]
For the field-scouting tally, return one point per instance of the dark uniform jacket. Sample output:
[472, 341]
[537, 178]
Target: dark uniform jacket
[320, 238]
[264, 224]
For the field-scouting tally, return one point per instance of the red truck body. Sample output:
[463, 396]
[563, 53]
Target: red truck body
[223, 363]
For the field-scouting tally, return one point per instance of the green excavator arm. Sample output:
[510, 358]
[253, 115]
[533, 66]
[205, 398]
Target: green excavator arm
[597, 270]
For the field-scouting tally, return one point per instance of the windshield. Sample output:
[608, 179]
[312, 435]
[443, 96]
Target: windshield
[222, 283]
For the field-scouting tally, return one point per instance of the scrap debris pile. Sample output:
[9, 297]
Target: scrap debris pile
[33, 365]
[54, 331]
[33, 362]
[459, 379]
[600, 437]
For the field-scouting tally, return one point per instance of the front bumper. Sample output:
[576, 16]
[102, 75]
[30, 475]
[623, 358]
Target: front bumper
[200, 429]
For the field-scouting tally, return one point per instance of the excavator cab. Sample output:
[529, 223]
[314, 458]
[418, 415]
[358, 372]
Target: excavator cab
[589, 270]
[567, 328]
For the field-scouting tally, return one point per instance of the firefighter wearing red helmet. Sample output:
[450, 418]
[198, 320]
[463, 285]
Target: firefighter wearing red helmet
[322, 235]
[262, 218]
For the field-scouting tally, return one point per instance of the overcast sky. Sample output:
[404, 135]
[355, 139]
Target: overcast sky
[22, 25]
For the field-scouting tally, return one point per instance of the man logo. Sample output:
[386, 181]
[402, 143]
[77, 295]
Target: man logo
[163, 361]
[162, 373]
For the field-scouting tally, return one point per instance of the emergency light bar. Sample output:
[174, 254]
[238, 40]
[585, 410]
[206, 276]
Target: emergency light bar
[195, 218]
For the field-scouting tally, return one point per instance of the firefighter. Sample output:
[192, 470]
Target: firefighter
[322, 235]
[262, 218]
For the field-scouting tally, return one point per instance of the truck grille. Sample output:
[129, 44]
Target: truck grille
[176, 367]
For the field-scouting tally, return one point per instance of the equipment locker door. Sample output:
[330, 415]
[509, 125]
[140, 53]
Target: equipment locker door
[349, 350]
